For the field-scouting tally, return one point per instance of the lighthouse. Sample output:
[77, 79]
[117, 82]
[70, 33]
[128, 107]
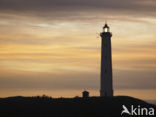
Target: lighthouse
[106, 85]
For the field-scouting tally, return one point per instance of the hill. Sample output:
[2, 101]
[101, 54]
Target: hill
[69, 107]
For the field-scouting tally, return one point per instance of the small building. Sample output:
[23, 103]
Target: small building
[85, 94]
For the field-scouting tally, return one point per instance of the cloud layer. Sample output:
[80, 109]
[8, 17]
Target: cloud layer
[55, 44]
[72, 8]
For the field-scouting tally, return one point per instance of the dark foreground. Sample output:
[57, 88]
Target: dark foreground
[69, 107]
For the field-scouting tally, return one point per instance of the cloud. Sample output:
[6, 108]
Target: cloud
[51, 44]
[76, 80]
[73, 9]
[134, 79]
[64, 80]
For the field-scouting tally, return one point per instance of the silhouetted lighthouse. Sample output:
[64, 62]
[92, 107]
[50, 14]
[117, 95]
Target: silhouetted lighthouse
[106, 88]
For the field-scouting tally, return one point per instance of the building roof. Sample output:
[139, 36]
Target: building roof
[106, 26]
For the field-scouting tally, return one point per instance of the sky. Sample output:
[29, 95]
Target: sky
[52, 47]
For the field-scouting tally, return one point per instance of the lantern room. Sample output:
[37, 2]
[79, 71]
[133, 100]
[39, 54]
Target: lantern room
[106, 28]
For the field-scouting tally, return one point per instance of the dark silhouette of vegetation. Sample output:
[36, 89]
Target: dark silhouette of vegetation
[44, 106]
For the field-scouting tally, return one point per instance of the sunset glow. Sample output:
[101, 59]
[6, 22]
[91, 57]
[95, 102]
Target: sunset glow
[53, 49]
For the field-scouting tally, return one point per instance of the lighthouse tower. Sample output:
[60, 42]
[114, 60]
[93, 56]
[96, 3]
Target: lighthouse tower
[106, 88]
